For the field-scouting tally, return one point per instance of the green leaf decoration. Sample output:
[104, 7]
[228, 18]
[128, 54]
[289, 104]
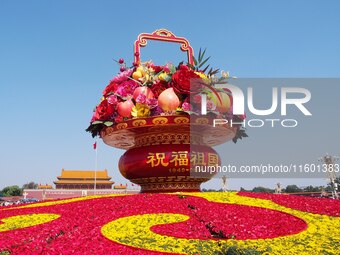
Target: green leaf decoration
[214, 72]
[206, 68]
[201, 56]
[195, 61]
[191, 66]
[205, 61]
[200, 62]
[108, 123]
[172, 68]
[167, 78]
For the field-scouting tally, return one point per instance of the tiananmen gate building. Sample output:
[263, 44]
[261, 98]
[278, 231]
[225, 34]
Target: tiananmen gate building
[75, 179]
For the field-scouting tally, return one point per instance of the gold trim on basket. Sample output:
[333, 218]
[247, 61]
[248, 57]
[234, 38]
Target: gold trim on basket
[160, 121]
[138, 123]
[121, 126]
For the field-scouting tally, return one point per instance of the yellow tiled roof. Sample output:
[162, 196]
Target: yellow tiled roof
[45, 186]
[83, 182]
[78, 174]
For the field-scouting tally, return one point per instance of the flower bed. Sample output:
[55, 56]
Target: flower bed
[195, 223]
[306, 204]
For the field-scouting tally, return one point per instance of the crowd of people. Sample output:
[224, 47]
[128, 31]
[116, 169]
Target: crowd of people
[17, 202]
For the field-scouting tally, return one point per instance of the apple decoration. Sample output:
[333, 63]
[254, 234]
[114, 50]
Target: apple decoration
[168, 100]
[124, 108]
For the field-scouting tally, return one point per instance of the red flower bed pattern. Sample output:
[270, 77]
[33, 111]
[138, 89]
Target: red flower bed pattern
[78, 229]
[235, 221]
[306, 204]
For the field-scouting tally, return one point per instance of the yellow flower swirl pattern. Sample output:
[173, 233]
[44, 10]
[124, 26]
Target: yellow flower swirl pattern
[324, 229]
[28, 220]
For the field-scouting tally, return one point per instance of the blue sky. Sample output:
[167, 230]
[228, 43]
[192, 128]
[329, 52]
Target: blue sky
[56, 57]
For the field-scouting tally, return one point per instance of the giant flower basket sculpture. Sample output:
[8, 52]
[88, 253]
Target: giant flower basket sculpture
[153, 112]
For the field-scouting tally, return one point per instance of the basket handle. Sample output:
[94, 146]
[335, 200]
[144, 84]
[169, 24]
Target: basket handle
[165, 36]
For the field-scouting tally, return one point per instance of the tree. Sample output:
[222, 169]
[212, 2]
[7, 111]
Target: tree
[11, 191]
[262, 189]
[210, 190]
[311, 188]
[292, 189]
[328, 188]
[30, 185]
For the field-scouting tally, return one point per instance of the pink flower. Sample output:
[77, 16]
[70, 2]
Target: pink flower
[127, 88]
[141, 99]
[112, 99]
[123, 76]
[211, 105]
[186, 106]
[152, 103]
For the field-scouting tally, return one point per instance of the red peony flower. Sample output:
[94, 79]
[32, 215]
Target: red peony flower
[104, 111]
[157, 68]
[184, 68]
[119, 119]
[110, 88]
[181, 79]
[159, 87]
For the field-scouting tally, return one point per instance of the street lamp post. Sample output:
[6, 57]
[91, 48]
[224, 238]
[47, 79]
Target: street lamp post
[224, 183]
[329, 160]
[278, 188]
